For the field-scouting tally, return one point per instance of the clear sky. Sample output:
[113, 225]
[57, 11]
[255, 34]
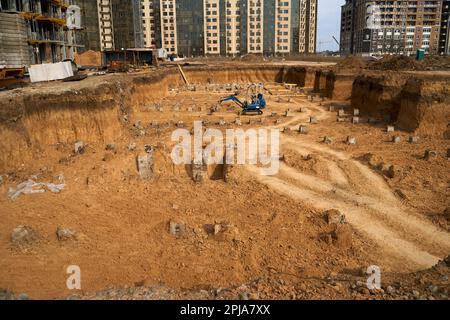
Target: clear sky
[328, 24]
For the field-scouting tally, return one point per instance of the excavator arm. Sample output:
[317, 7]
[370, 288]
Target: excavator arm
[234, 99]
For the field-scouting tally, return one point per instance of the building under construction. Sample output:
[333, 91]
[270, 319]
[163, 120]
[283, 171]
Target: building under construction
[204, 27]
[35, 31]
[390, 27]
[444, 38]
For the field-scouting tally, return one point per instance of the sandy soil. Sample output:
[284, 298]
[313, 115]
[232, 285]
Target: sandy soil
[275, 224]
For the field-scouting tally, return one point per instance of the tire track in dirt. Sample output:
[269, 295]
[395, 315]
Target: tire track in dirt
[363, 195]
[391, 215]
[407, 253]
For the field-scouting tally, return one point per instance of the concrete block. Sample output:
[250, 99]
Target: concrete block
[132, 146]
[177, 229]
[111, 147]
[396, 139]
[356, 112]
[313, 120]
[303, 129]
[79, 147]
[145, 166]
[331, 108]
[355, 120]
[303, 109]
[340, 119]
[198, 172]
[413, 139]
[390, 129]
[149, 149]
[327, 140]
[430, 154]
[341, 113]
[351, 140]
[286, 130]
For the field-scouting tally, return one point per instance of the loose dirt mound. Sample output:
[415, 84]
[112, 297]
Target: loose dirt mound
[436, 63]
[89, 58]
[251, 58]
[351, 63]
[395, 63]
[404, 63]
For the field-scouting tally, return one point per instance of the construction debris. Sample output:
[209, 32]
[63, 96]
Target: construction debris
[24, 235]
[64, 234]
[31, 187]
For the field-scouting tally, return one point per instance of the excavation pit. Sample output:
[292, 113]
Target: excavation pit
[121, 206]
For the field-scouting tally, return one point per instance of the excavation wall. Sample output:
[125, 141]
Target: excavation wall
[336, 86]
[425, 106]
[378, 95]
[416, 102]
[97, 109]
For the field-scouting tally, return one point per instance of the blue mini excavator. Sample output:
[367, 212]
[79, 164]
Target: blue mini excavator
[256, 105]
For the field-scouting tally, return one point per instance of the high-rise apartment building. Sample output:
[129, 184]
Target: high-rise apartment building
[390, 27]
[207, 27]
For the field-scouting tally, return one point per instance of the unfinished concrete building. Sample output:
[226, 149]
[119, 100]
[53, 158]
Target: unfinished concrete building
[444, 37]
[34, 31]
[390, 27]
[105, 24]
[308, 26]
